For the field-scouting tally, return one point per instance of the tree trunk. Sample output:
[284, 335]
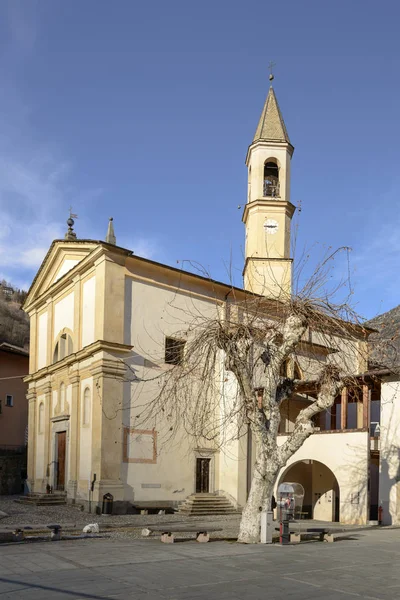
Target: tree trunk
[269, 484]
[249, 530]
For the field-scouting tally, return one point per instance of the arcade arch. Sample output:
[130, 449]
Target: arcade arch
[321, 489]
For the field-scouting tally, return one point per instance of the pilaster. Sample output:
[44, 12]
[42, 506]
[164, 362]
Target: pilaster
[107, 433]
[74, 437]
[50, 332]
[77, 313]
[34, 341]
[47, 430]
[31, 397]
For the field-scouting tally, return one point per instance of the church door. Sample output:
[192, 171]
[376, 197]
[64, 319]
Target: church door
[61, 446]
[203, 475]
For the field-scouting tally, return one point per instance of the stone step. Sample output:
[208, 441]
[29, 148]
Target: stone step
[41, 501]
[207, 500]
[206, 504]
[208, 513]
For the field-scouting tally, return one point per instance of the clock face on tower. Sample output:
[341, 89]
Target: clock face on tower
[271, 226]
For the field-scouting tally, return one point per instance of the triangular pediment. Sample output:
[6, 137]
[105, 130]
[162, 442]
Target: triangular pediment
[62, 257]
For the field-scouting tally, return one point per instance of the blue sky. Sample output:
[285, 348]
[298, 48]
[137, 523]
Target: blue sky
[144, 110]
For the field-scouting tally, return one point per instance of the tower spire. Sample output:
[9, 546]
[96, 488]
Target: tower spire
[271, 126]
[268, 212]
[110, 237]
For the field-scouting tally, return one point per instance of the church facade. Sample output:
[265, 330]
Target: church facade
[105, 323]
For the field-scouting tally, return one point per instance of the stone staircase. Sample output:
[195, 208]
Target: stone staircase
[198, 505]
[36, 499]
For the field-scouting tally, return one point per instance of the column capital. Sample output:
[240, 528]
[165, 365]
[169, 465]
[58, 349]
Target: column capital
[74, 380]
[31, 397]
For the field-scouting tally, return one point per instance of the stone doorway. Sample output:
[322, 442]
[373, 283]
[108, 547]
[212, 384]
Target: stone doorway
[61, 443]
[203, 475]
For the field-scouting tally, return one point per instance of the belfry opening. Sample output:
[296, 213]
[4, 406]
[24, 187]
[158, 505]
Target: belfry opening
[271, 180]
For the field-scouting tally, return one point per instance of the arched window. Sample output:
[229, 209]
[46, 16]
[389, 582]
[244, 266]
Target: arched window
[64, 346]
[62, 398]
[271, 179]
[86, 409]
[41, 418]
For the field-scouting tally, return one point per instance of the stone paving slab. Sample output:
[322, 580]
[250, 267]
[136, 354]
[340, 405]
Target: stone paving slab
[365, 566]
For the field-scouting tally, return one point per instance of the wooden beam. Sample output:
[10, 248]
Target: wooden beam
[343, 420]
[365, 399]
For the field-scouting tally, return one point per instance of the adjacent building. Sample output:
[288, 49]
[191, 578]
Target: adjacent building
[14, 364]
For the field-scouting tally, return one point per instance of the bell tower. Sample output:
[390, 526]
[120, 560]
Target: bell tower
[268, 213]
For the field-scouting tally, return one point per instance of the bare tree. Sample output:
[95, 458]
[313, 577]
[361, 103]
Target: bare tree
[243, 361]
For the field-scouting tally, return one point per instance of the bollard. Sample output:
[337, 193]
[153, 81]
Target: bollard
[284, 537]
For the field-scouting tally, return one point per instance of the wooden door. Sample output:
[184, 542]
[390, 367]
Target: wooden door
[202, 475]
[61, 447]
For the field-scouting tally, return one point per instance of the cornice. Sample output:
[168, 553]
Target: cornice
[264, 203]
[88, 351]
[59, 418]
[269, 145]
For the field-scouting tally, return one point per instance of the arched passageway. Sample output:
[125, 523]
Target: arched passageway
[321, 489]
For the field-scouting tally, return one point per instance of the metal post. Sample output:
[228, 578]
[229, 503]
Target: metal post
[284, 533]
[267, 519]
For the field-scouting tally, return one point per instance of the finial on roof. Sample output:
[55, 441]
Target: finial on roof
[271, 65]
[110, 237]
[71, 235]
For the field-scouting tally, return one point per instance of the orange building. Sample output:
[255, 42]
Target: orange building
[14, 366]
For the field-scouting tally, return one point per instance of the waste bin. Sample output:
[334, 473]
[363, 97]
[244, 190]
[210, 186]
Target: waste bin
[107, 508]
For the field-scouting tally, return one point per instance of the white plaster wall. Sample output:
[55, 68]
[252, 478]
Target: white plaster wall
[151, 313]
[64, 314]
[40, 438]
[346, 455]
[232, 457]
[42, 341]
[66, 266]
[389, 467]
[85, 434]
[88, 311]
[323, 488]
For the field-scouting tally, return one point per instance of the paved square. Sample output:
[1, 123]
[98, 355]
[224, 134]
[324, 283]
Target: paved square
[365, 566]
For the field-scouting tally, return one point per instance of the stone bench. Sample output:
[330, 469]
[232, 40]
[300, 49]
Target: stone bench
[13, 533]
[167, 531]
[321, 533]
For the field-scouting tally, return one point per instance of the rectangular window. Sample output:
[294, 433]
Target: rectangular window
[9, 400]
[174, 351]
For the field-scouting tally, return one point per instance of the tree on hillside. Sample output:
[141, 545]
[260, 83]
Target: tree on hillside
[243, 363]
[14, 323]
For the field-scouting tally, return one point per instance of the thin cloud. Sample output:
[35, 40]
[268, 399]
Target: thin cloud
[35, 177]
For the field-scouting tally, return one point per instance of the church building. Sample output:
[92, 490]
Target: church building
[104, 320]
